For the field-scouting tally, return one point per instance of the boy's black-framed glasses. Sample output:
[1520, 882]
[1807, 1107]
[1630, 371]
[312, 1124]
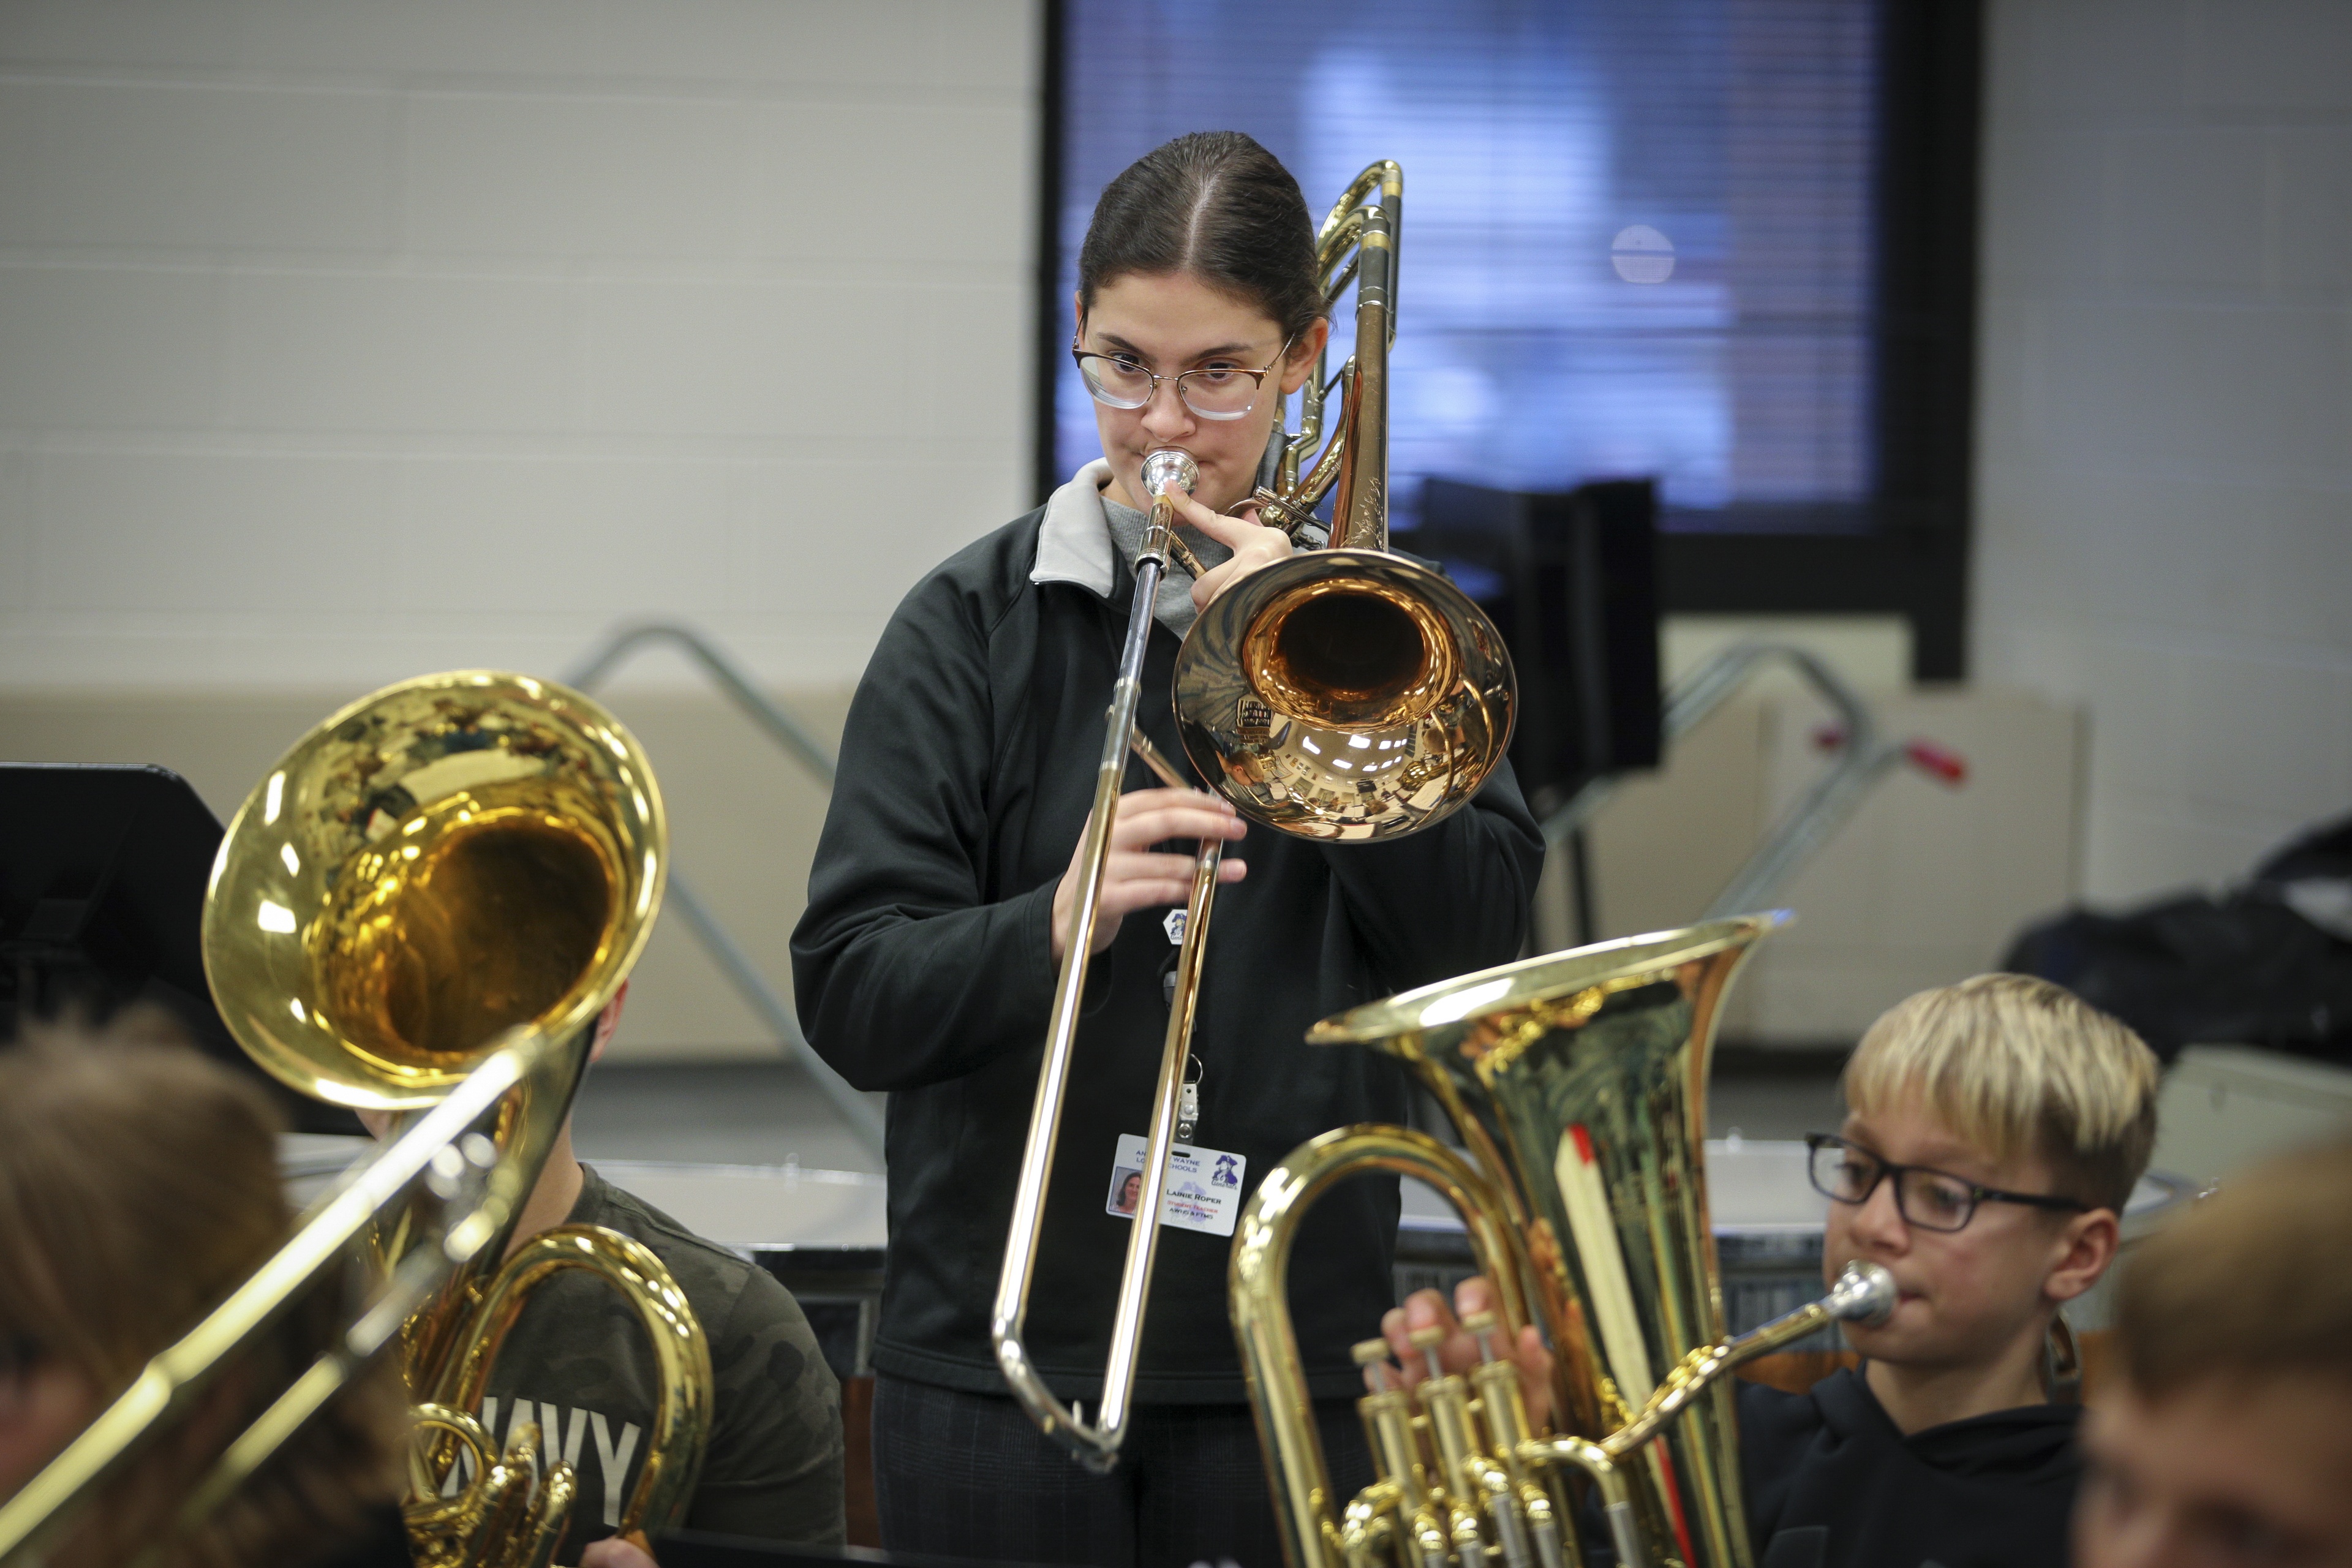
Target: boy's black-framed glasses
[1930, 1199]
[1216, 392]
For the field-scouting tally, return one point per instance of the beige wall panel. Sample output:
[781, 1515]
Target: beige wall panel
[1666, 842]
[221, 742]
[1925, 884]
[744, 819]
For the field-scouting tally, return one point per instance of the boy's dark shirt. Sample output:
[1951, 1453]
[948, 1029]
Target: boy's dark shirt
[772, 1468]
[1833, 1483]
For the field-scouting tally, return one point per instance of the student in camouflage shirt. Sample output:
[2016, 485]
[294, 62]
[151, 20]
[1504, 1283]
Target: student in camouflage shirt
[577, 1363]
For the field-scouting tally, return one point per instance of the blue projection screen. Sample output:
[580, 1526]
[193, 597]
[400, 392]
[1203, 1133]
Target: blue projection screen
[1637, 237]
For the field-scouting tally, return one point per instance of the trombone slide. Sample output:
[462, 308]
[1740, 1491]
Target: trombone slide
[1096, 1444]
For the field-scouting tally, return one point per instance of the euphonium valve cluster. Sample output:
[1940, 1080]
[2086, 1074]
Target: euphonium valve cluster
[1452, 1481]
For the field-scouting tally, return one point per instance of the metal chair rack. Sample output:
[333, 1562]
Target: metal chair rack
[854, 1107]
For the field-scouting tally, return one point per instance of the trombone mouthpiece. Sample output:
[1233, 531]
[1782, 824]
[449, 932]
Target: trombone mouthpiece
[1166, 464]
[1864, 1294]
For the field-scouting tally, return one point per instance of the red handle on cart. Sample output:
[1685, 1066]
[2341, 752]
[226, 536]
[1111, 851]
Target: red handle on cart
[1936, 761]
[1940, 763]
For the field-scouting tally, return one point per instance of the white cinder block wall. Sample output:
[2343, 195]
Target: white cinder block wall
[2164, 516]
[341, 342]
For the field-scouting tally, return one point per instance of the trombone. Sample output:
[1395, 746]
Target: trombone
[445, 859]
[1345, 694]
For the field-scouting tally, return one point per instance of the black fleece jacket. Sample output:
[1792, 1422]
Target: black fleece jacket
[1833, 1483]
[924, 967]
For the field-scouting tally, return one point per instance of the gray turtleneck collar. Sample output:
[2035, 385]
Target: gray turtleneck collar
[1174, 610]
[1081, 521]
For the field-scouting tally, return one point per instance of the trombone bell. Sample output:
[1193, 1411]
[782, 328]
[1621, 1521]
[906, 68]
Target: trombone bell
[1344, 694]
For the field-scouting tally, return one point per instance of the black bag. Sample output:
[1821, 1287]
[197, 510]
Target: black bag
[2267, 964]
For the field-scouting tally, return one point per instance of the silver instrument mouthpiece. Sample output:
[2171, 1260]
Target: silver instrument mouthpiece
[1864, 1294]
[1166, 464]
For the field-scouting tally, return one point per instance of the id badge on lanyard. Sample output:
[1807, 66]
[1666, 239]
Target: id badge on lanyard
[1204, 1190]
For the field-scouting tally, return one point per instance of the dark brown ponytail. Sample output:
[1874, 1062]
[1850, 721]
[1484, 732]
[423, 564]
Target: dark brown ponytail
[1218, 206]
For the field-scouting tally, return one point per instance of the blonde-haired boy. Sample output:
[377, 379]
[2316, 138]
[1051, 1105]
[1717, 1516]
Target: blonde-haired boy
[1994, 1130]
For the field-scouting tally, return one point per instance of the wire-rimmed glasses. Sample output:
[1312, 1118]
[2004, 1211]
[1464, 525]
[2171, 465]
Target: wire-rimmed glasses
[1930, 1199]
[1213, 392]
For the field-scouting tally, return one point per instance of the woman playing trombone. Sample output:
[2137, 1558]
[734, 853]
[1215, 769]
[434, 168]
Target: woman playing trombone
[941, 898]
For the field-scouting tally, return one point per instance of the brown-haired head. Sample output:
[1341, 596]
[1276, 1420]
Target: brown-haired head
[118, 1159]
[2018, 1065]
[2252, 1282]
[1218, 206]
[139, 1185]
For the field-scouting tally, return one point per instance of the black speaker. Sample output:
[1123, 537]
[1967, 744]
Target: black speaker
[1571, 580]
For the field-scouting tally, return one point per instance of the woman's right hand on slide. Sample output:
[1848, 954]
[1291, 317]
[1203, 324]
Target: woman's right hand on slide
[1134, 877]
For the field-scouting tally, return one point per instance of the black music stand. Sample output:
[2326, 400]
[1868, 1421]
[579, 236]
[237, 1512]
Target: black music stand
[103, 876]
[1572, 581]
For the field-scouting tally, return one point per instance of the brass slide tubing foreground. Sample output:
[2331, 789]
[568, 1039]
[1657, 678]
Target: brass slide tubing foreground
[441, 861]
[1096, 1445]
[532, 851]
